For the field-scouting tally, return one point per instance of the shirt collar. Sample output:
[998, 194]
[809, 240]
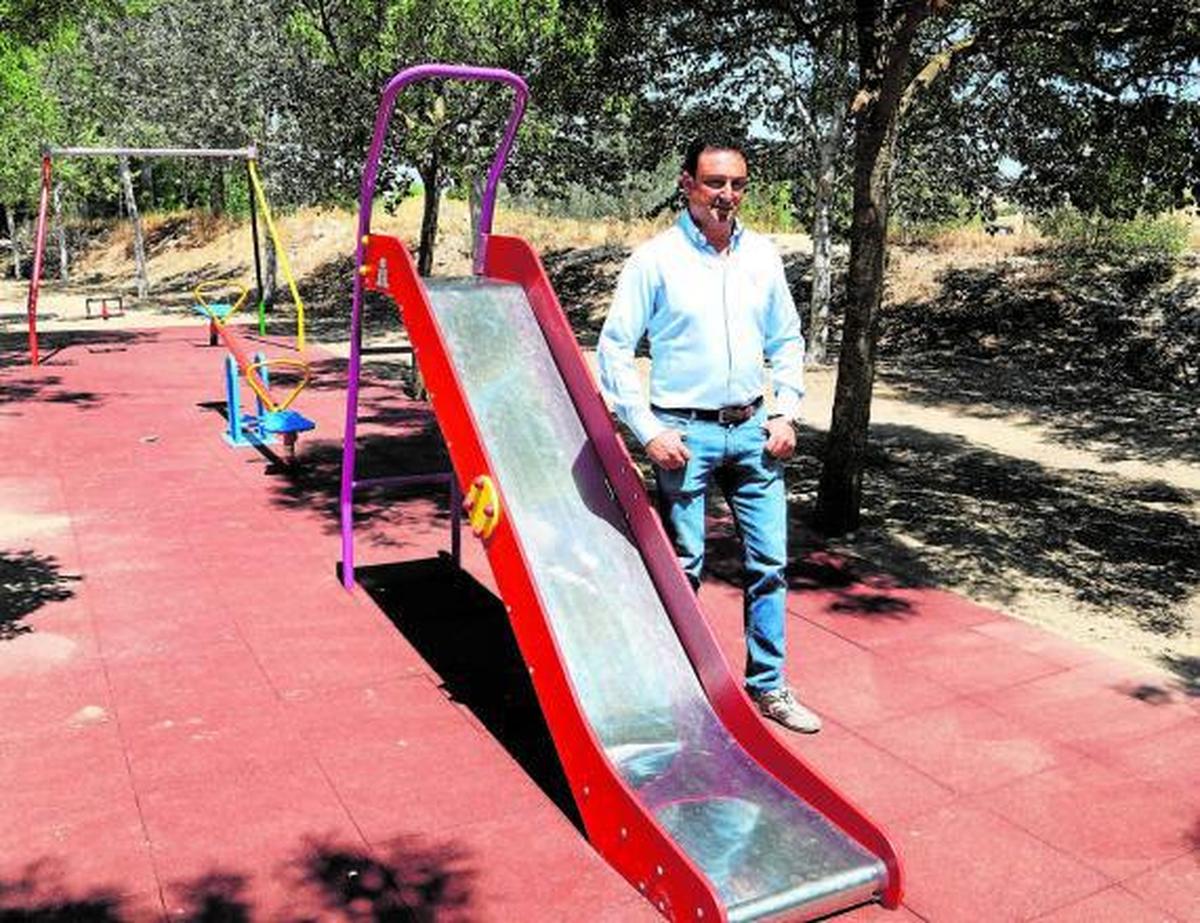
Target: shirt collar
[693, 233]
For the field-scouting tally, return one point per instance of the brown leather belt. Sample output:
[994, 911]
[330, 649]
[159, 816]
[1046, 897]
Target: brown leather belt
[726, 416]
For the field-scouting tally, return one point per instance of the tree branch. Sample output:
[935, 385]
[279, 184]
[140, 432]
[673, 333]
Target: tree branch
[935, 67]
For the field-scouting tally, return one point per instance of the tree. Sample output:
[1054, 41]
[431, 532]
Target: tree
[885, 35]
[1096, 57]
[444, 131]
[25, 113]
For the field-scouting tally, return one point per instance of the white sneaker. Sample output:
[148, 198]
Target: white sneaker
[781, 706]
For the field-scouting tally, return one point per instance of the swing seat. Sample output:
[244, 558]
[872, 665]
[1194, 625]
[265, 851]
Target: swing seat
[285, 421]
[216, 311]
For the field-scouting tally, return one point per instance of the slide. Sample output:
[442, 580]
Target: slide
[680, 784]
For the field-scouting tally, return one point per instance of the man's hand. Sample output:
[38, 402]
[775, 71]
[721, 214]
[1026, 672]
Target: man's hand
[781, 438]
[667, 450]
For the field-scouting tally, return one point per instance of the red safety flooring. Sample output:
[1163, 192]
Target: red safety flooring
[196, 722]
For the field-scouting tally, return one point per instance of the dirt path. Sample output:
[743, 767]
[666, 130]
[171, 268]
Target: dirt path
[1053, 604]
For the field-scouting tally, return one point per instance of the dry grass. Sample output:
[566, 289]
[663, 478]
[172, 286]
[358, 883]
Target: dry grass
[1193, 219]
[976, 242]
[915, 270]
[183, 252]
[316, 236]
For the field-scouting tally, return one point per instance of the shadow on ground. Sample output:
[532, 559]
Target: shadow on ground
[1103, 356]
[940, 511]
[408, 879]
[462, 630]
[23, 383]
[381, 514]
[27, 582]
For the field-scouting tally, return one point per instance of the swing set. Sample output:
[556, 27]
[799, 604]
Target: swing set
[274, 417]
[258, 201]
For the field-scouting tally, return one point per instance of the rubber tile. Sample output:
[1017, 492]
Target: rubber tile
[873, 616]
[37, 495]
[177, 673]
[1174, 886]
[1098, 703]
[312, 612]
[40, 546]
[1168, 758]
[260, 818]
[48, 642]
[1114, 824]
[432, 785]
[882, 785]
[41, 778]
[1112, 905]
[968, 662]
[79, 852]
[45, 898]
[269, 887]
[74, 692]
[411, 762]
[966, 747]
[874, 913]
[126, 639]
[864, 688]
[226, 734]
[966, 864]
[510, 869]
[331, 656]
[807, 642]
[1038, 641]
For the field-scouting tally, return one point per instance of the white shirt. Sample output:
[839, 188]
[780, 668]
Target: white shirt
[711, 319]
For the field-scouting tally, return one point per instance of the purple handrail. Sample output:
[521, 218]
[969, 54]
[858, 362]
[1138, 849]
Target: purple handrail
[366, 197]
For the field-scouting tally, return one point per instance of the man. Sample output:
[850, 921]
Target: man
[713, 300]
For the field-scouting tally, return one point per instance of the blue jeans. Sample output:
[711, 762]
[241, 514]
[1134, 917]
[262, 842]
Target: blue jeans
[752, 482]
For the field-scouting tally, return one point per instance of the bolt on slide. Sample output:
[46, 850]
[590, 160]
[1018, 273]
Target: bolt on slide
[680, 785]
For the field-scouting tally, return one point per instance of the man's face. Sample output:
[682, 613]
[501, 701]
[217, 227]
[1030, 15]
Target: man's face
[715, 192]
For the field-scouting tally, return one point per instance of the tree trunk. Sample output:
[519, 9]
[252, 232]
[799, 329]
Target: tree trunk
[216, 191]
[139, 244]
[475, 188]
[822, 266]
[429, 216]
[60, 232]
[839, 498]
[884, 47]
[11, 220]
[270, 275]
[148, 184]
[828, 148]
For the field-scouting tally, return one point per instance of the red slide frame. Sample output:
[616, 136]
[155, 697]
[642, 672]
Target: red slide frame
[628, 837]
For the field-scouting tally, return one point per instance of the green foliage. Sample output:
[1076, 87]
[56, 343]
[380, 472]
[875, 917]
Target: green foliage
[1143, 238]
[768, 207]
[941, 211]
[27, 112]
[642, 194]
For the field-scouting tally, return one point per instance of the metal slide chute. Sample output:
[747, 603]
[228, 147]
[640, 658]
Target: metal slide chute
[680, 785]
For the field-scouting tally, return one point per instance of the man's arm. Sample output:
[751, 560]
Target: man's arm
[783, 346]
[623, 328]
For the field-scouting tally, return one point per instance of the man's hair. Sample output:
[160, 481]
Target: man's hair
[691, 158]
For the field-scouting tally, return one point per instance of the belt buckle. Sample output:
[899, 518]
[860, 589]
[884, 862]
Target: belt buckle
[730, 415]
